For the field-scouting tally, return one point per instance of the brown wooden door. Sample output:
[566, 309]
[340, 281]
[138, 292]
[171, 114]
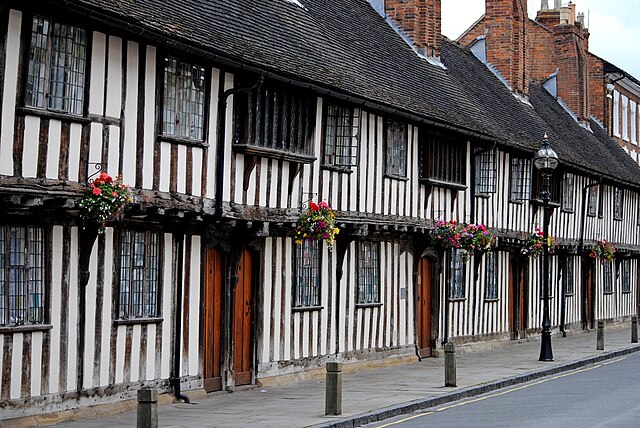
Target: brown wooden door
[212, 320]
[242, 321]
[517, 301]
[588, 307]
[424, 307]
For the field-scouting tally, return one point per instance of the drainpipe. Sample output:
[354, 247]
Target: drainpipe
[87, 237]
[220, 133]
[177, 354]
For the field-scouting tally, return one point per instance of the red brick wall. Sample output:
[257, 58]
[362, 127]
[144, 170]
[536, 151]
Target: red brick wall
[421, 22]
[573, 79]
[597, 90]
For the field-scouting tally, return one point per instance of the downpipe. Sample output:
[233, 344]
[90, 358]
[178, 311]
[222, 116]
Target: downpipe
[177, 355]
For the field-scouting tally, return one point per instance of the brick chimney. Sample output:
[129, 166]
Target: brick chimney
[420, 20]
[505, 24]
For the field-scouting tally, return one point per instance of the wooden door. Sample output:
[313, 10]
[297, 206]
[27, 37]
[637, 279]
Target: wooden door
[588, 290]
[242, 321]
[423, 310]
[212, 320]
[517, 300]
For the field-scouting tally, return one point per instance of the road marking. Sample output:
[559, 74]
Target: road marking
[508, 391]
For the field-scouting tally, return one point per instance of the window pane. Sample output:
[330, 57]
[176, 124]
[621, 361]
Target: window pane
[139, 270]
[368, 278]
[486, 172]
[396, 148]
[36, 78]
[491, 276]
[66, 75]
[307, 291]
[184, 90]
[457, 275]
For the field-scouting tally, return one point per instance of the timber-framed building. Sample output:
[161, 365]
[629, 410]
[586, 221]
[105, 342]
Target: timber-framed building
[226, 118]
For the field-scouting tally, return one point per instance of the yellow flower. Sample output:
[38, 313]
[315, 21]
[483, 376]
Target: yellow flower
[336, 230]
[299, 241]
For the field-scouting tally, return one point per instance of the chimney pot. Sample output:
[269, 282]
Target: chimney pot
[544, 5]
[557, 4]
[564, 15]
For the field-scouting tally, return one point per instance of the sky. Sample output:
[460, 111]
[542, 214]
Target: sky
[614, 26]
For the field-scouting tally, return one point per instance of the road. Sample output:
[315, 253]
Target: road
[602, 395]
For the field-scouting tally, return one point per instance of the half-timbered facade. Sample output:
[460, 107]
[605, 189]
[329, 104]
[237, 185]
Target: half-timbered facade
[226, 132]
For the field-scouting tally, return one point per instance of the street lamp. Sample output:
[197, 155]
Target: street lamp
[546, 161]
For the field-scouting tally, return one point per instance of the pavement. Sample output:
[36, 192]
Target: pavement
[375, 394]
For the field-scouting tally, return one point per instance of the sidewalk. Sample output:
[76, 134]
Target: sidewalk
[374, 394]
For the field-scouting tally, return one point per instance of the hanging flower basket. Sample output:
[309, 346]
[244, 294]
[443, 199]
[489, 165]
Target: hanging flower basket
[470, 238]
[534, 245]
[104, 199]
[316, 223]
[603, 250]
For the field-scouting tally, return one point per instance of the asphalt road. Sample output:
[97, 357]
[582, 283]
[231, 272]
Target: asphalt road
[602, 395]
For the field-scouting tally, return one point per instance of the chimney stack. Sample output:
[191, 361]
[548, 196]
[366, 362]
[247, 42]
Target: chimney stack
[420, 20]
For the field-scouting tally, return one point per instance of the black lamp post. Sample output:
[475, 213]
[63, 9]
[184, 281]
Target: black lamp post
[546, 161]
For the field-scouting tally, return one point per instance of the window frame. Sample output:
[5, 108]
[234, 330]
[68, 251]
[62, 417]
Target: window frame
[616, 113]
[120, 314]
[201, 117]
[24, 250]
[485, 171]
[42, 106]
[624, 107]
[520, 176]
[396, 145]
[618, 203]
[568, 192]
[568, 282]
[593, 197]
[625, 275]
[330, 143]
[457, 276]
[368, 293]
[491, 277]
[443, 159]
[607, 277]
[312, 283]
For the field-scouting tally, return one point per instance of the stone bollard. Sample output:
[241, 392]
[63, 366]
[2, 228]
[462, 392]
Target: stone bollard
[634, 329]
[333, 389]
[147, 408]
[600, 336]
[449, 364]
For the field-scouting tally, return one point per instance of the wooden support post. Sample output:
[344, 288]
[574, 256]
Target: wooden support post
[333, 389]
[634, 329]
[600, 337]
[147, 408]
[449, 364]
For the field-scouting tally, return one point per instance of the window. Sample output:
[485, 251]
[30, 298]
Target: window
[555, 187]
[634, 122]
[625, 265]
[567, 279]
[616, 113]
[607, 277]
[22, 273]
[139, 270]
[274, 120]
[341, 127]
[618, 199]
[457, 272]
[520, 179]
[307, 268]
[486, 172]
[368, 277]
[183, 109]
[490, 277]
[443, 158]
[592, 209]
[568, 191]
[57, 61]
[625, 118]
[396, 147]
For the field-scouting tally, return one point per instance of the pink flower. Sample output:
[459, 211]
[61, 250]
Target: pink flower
[96, 191]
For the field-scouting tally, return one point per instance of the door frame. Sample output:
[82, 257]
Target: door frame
[231, 378]
[431, 257]
[518, 296]
[214, 383]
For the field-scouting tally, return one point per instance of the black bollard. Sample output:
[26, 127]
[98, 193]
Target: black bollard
[600, 336]
[634, 329]
[449, 364]
[333, 389]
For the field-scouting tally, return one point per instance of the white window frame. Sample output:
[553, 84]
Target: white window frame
[616, 113]
[625, 118]
[634, 122]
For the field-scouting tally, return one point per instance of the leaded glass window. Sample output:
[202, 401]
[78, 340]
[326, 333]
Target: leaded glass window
[486, 172]
[607, 277]
[139, 272]
[307, 268]
[520, 179]
[457, 275]
[593, 200]
[341, 128]
[22, 276]
[57, 62]
[625, 265]
[491, 276]
[184, 98]
[568, 276]
[368, 273]
[568, 192]
[396, 146]
[617, 203]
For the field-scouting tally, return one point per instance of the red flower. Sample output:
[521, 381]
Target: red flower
[314, 206]
[97, 191]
